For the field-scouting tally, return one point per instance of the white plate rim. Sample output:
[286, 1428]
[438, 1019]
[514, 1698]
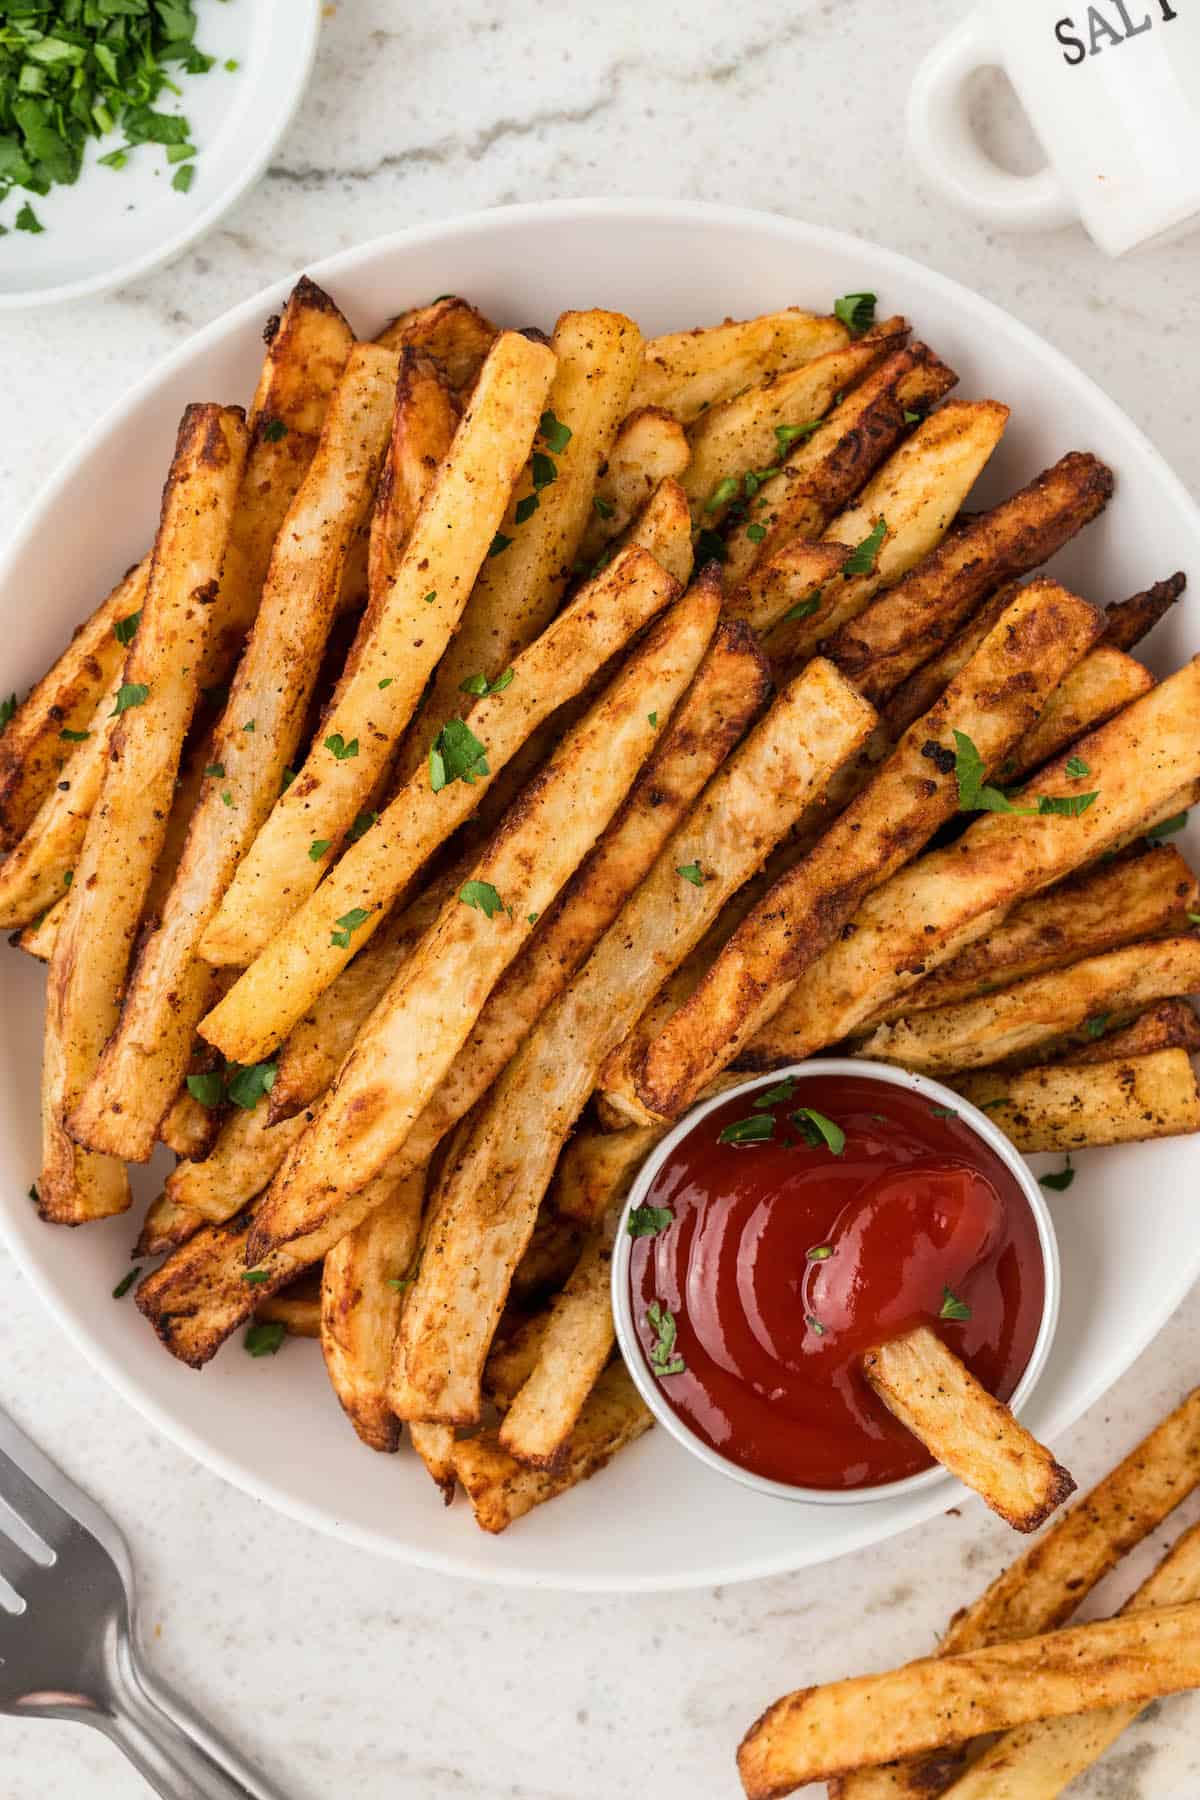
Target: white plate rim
[301, 57]
[802, 235]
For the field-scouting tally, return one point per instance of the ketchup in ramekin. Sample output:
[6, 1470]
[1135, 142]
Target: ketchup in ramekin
[796, 1226]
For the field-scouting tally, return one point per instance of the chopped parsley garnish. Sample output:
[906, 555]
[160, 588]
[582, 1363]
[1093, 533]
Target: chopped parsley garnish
[759, 1129]
[856, 311]
[75, 737]
[483, 896]
[911, 418]
[664, 1358]
[126, 1282]
[386, 682]
[604, 507]
[250, 724]
[349, 923]
[816, 1129]
[803, 609]
[952, 1307]
[339, 748]
[652, 720]
[227, 797]
[555, 433]
[648, 1221]
[479, 684]
[498, 544]
[264, 1338]
[82, 69]
[274, 430]
[1069, 806]
[774, 1096]
[428, 599]
[1077, 768]
[691, 872]
[543, 470]
[786, 435]
[7, 709]
[861, 560]
[1059, 1180]
[526, 508]
[363, 822]
[130, 693]
[255, 1277]
[942, 1112]
[317, 848]
[34, 1195]
[208, 1088]
[217, 769]
[814, 1324]
[456, 754]
[722, 494]
[974, 795]
[183, 177]
[246, 1085]
[756, 533]
[1169, 826]
[1193, 918]
[819, 1253]
[125, 630]
[1097, 1026]
[532, 918]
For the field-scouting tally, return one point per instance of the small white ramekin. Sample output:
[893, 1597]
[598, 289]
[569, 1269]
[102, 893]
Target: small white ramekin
[651, 1390]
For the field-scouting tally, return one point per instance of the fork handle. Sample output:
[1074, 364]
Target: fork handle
[177, 1752]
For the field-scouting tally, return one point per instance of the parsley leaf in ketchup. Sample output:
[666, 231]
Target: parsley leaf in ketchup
[809, 1222]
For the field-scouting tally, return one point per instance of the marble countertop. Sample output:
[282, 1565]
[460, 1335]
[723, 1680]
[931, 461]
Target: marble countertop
[340, 1672]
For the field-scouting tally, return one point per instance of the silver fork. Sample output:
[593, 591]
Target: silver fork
[67, 1646]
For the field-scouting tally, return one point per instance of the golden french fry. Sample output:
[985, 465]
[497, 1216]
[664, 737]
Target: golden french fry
[520, 589]
[576, 1343]
[1069, 1106]
[819, 1732]
[502, 1490]
[513, 1358]
[884, 645]
[417, 1030]
[200, 1293]
[823, 472]
[128, 824]
[550, 1255]
[1098, 688]
[968, 1430]
[424, 419]
[1038, 1760]
[320, 939]
[485, 1206]
[753, 430]
[434, 1444]
[297, 1306]
[165, 1227]
[1104, 907]
[787, 585]
[1171, 1025]
[663, 527]
[452, 331]
[686, 372]
[35, 745]
[651, 447]
[596, 1170]
[1042, 1588]
[1139, 761]
[973, 1033]
[1130, 620]
[993, 700]
[361, 1297]
[39, 938]
[899, 519]
[401, 639]
[146, 1059]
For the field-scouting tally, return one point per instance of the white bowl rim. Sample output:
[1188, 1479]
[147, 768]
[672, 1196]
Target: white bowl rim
[891, 1075]
[261, 1484]
[118, 275]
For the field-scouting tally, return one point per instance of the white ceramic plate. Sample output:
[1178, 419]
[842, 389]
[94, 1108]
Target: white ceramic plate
[1128, 1230]
[112, 226]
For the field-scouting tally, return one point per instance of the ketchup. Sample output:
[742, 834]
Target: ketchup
[783, 1261]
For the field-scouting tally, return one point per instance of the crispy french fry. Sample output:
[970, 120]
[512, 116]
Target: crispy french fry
[486, 1203]
[924, 915]
[970, 1432]
[170, 988]
[520, 589]
[753, 430]
[128, 823]
[651, 447]
[1037, 1761]
[822, 473]
[663, 527]
[993, 700]
[424, 419]
[918, 693]
[417, 1030]
[502, 1490]
[246, 1154]
[434, 1444]
[974, 1033]
[1069, 1106]
[550, 1255]
[200, 1294]
[1112, 904]
[513, 1358]
[686, 372]
[1098, 688]
[914, 500]
[819, 1732]
[882, 646]
[188, 1128]
[315, 945]
[1042, 1588]
[297, 1306]
[788, 584]
[576, 1343]
[165, 1227]
[35, 745]
[39, 938]
[1171, 1025]
[361, 1297]
[401, 638]
[1130, 620]
[596, 1170]
[452, 331]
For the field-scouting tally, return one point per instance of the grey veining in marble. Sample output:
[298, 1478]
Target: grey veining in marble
[350, 1675]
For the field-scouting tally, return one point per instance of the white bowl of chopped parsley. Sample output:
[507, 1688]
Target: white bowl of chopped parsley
[127, 127]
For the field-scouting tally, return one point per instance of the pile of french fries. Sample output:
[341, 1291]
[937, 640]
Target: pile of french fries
[1016, 1702]
[505, 737]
